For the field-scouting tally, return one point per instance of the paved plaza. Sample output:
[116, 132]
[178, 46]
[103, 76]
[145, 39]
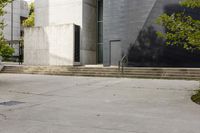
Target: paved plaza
[58, 104]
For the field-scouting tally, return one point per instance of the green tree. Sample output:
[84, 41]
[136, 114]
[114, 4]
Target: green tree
[30, 21]
[5, 50]
[181, 29]
[191, 3]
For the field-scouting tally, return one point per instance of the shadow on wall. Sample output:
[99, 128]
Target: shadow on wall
[151, 51]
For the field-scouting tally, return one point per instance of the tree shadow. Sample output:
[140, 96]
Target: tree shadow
[151, 51]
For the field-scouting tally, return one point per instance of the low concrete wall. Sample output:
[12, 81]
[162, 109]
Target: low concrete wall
[53, 45]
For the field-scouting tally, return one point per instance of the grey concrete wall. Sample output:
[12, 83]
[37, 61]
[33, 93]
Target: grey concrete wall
[24, 8]
[16, 21]
[149, 50]
[20, 8]
[89, 31]
[123, 20]
[53, 45]
[133, 22]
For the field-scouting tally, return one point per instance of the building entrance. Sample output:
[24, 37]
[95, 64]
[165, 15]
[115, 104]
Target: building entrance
[77, 44]
[115, 52]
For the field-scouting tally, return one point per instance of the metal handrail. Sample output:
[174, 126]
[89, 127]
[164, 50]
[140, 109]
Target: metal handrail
[122, 63]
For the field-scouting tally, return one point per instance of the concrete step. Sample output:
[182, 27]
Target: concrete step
[119, 75]
[162, 73]
[158, 73]
[192, 71]
[102, 70]
[107, 72]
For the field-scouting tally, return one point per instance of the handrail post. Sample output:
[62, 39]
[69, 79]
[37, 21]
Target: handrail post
[119, 65]
[122, 68]
[122, 63]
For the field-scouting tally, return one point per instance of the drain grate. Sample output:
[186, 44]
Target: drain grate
[10, 103]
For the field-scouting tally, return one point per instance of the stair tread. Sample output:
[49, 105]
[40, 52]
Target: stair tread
[158, 73]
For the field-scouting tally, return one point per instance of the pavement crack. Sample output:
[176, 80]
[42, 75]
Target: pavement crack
[116, 129]
[4, 116]
[172, 89]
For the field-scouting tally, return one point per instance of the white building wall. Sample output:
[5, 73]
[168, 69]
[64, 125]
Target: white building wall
[79, 12]
[55, 12]
[44, 47]
[24, 10]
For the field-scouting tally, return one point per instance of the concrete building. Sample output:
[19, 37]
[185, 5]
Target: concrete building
[20, 12]
[13, 31]
[109, 30]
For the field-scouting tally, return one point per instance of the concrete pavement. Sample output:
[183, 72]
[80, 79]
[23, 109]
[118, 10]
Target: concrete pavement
[57, 104]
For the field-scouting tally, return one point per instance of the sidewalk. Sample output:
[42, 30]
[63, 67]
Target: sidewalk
[62, 104]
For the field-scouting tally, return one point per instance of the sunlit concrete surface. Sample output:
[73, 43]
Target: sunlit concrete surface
[57, 104]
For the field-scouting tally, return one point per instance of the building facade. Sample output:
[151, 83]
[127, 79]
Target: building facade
[16, 13]
[109, 30]
[14, 28]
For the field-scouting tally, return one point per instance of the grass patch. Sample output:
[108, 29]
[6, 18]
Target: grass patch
[196, 97]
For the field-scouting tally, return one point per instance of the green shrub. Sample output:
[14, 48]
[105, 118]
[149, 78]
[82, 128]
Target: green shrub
[5, 50]
[196, 97]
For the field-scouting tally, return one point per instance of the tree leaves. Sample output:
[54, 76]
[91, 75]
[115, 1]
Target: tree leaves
[181, 30]
[30, 21]
[5, 50]
[191, 3]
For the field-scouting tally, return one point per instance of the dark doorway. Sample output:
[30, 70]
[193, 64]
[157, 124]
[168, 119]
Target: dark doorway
[77, 44]
[99, 31]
